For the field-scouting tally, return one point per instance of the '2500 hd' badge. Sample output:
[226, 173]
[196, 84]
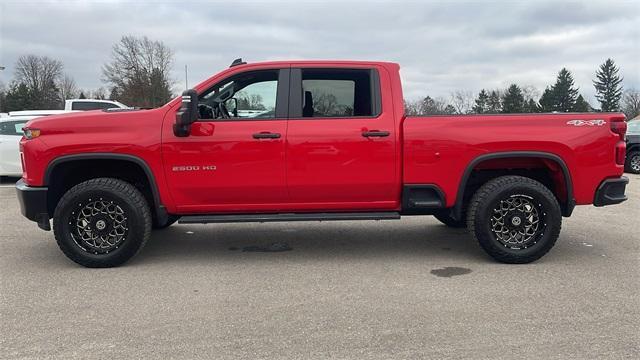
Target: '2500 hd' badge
[194, 168]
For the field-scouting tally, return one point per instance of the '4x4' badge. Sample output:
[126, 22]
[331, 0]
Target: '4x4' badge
[598, 122]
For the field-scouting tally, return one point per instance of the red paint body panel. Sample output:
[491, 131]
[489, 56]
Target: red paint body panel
[320, 164]
[438, 149]
[331, 165]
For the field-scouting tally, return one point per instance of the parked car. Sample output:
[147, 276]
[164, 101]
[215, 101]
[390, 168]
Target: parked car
[10, 134]
[336, 146]
[11, 126]
[92, 104]
[632, 164]
[36, 113]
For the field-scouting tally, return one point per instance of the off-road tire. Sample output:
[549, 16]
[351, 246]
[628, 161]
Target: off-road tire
[484, 206]
[171, 219]
[630, 164]
[133, 208]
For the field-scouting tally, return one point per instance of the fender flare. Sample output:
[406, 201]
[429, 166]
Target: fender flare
[568, 207]
[159, 209]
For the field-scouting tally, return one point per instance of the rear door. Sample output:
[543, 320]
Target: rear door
[341, 140]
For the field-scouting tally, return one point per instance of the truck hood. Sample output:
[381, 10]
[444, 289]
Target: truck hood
[94, 121]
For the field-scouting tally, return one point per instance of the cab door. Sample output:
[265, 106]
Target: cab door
[341, 140]
[233, 163]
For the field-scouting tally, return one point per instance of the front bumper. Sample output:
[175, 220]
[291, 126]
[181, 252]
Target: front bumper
[611, 192]
[33, 204]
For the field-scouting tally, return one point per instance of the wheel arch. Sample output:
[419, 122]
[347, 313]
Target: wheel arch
[158, 210]
[567, 206]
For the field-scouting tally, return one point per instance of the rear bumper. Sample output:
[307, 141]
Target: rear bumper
[33, 203]
[611, 192]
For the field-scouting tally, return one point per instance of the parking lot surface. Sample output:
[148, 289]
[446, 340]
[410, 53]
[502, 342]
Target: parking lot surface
[411, 288]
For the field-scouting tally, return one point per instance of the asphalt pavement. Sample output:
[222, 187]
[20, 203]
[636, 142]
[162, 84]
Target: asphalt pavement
[406, 289]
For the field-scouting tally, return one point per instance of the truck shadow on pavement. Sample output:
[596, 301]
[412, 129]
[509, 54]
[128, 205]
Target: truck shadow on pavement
[308, 241]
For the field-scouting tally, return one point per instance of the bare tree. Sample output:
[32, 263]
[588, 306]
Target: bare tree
[68, 88]
[462, 101]
[41, 75]
[411, 108]
[428, 106]
[138, 73]
[631, 103]
[99, 93]
[530, 92]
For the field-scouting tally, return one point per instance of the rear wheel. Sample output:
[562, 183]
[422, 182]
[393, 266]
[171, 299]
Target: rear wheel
[102, 222]
[632, 163]
[515, 219]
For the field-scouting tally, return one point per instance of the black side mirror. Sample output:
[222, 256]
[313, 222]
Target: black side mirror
[187, 114]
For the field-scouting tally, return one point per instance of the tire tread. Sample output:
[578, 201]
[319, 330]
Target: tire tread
[116, 185]
[484, 193]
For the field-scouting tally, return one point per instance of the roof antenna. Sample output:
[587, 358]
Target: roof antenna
[237, 62]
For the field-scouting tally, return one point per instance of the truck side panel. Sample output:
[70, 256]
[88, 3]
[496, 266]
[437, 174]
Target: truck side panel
[438, 149]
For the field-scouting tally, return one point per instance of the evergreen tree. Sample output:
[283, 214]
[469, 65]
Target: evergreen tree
[3, 97]
[82, 95]
[564, 92]
[608, 86]
[19, 97]
[546, 100]
[531, 106]
[482, 103]
[494, 104]
[581, 105]
[513, 100]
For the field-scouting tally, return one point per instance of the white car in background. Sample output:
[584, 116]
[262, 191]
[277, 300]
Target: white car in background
[10, 134]
[92, 104]
[11, 125]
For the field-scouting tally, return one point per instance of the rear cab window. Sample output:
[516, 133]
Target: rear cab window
[335, 93]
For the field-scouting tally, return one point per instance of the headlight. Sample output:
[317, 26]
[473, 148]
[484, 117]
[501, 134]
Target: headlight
[31, 133]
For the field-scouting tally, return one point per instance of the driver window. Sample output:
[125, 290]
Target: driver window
[249, 95]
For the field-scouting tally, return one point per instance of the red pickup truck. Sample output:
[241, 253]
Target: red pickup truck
[312, 140]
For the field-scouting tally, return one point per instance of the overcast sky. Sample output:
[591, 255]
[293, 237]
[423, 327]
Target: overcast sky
[441, 46]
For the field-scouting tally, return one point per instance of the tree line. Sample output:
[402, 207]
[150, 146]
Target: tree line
[137, 74]
[562, 96]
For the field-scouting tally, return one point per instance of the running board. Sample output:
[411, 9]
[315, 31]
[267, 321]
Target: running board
[233, 218]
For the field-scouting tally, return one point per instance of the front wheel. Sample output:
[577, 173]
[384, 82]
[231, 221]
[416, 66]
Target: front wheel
[515, 219]
[102, 222]
[632, 164]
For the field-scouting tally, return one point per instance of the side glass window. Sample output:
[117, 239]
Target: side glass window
[249, 95]
[87, 105]
[328, 93]
[11, 128]
[328, 98]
